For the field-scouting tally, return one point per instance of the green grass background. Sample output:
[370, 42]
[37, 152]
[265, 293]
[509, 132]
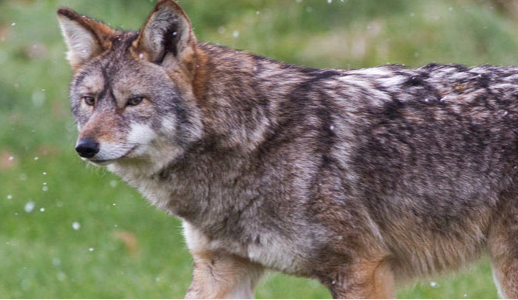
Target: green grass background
[126, 248]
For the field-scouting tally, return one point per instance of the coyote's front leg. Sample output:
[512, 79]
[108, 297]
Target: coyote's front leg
[218, 275]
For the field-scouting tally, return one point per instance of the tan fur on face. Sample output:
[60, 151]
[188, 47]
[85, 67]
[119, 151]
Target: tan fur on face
[103, 133]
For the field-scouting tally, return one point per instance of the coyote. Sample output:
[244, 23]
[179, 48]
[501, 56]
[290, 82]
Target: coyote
[358, 178]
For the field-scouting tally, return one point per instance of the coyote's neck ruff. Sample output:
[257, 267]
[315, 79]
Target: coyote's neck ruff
[358, 178]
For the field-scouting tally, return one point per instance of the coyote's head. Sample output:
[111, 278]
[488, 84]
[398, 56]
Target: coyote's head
[132, 93]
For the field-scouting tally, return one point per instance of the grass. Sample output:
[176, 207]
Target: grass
[125, 247]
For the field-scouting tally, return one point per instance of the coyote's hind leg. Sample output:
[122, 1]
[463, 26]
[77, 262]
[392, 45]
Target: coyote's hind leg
[503, 247]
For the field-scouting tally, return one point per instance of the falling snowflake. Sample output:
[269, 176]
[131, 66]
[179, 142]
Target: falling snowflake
[76, 225]
[29, 207]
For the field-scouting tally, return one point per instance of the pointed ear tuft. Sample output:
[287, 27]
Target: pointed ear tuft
[167, 35]
[84, 37]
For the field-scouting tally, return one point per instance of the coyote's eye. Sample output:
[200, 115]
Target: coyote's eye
[89, 100]
[135, 101]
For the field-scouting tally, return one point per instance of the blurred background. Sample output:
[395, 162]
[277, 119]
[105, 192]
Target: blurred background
[71, 231]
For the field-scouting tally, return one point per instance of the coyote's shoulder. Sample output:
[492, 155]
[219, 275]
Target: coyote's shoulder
[360, 178]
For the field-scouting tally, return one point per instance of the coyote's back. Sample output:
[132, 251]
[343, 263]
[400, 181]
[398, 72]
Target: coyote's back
[358, 178]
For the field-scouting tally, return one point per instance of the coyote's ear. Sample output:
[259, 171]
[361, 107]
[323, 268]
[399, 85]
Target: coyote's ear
[167, 35]
[84, 37]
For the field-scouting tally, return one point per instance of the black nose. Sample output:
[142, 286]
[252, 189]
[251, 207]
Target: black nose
[87, 148]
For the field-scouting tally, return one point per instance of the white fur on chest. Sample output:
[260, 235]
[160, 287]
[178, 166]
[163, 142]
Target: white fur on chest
[272, 251]
[156, 193]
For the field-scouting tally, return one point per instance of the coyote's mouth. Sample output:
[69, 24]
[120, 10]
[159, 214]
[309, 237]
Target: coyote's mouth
[104, 162]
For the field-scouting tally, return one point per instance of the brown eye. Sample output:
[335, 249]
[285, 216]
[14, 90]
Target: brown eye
[89, 100]
[135, 101]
